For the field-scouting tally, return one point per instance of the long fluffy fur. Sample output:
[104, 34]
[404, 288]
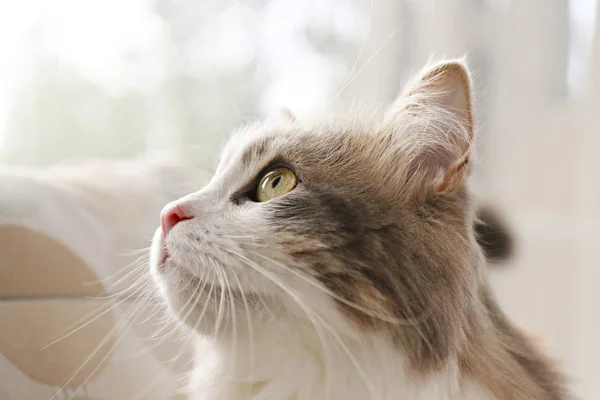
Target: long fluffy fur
[365, 281]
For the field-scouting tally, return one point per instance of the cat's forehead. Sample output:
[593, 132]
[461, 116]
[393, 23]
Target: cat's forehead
[257, 142]
[325, 151]
[251, 145]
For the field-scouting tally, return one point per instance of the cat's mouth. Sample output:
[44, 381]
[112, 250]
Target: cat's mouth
[167, 265]
[163, 252]
[164, 256]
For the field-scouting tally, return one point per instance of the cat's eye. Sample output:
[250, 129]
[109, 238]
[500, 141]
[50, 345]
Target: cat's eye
[276, 183]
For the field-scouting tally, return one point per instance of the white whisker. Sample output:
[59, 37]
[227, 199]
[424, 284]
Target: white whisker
[141, 288]
[233, 313]
[340, 298]
[249, 322]
[95, 351]
[311, 314]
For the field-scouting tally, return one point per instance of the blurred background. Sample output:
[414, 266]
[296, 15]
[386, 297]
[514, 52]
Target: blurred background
[115, 79]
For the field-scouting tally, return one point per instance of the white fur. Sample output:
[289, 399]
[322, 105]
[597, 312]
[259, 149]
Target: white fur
[296, 370]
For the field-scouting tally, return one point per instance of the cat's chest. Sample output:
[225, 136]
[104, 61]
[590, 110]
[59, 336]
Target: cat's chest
[297, 376]
[343, 391]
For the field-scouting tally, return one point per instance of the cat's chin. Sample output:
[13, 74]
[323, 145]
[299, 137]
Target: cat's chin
[193, 302]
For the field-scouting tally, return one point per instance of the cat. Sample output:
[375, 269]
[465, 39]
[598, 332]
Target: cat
[338, 259]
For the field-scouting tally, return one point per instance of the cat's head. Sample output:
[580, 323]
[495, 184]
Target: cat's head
[362, 222]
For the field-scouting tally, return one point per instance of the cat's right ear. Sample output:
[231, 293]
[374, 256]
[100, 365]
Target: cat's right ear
[432, 125]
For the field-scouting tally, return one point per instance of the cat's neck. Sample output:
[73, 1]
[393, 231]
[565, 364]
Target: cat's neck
[291, 360]
[505, 360]
[301, 364]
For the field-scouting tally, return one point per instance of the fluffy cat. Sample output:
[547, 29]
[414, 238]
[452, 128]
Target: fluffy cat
[338, 260]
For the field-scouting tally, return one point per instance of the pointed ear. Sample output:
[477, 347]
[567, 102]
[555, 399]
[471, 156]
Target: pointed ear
[434, 114]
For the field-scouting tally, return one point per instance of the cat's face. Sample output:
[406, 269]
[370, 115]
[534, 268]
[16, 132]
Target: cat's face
[365, 223]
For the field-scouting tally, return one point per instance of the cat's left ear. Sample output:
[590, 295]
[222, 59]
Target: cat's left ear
[282, 117]
[435, 116]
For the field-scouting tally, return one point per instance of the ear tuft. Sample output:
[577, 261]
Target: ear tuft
[448, 84]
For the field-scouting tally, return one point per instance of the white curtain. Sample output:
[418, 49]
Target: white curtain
[112, 78]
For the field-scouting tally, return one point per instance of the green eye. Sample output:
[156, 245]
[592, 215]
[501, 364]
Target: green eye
[276, 183]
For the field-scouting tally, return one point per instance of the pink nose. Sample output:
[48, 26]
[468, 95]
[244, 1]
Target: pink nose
[171, 215]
